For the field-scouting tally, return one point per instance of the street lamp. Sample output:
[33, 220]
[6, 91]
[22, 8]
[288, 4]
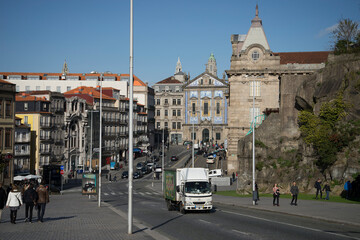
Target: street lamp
[253, 143]
[100, 142]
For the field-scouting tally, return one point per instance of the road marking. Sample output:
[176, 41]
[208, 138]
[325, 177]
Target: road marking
[142, 194]
[244, 233]
[106, 194]
[291, 225]
[112, 193]
[205, 221]
[121, 193]
[148, 193]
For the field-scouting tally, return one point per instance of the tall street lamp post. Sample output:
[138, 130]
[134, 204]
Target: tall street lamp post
[100, 142]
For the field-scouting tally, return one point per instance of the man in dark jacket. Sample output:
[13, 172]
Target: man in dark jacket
[30, 199]
[318, 188]
[294, 190]
[2, 199]
[43, 199]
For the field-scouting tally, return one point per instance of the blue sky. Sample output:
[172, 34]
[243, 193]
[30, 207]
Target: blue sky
[36, 36]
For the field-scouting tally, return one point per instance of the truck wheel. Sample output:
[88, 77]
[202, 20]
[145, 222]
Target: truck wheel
[169, 206]
[182, 209]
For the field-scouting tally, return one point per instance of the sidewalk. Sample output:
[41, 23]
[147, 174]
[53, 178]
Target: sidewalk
[71, 216]
[344, 213]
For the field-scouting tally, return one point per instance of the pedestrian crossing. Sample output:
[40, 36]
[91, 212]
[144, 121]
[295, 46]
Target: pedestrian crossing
[134, 193]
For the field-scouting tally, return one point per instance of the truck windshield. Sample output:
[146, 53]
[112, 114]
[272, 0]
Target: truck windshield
[197, 187]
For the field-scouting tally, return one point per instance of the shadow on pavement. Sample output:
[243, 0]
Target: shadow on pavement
[58, 218]
[162, 224]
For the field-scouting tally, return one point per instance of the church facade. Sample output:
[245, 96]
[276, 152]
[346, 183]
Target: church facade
[255, 78]
[206, 107]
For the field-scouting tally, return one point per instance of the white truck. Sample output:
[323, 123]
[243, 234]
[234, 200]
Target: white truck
[187, 189]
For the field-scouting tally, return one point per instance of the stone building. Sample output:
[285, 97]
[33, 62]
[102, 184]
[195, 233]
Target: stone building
[169, 106]
[206, 107]
[7, 129]
[255, 75]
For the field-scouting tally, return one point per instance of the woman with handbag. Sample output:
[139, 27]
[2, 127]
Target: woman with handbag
[14, 202]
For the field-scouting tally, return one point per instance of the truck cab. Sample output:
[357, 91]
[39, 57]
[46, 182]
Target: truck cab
[188, 189]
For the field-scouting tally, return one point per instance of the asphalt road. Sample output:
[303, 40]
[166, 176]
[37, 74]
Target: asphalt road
[224, 222]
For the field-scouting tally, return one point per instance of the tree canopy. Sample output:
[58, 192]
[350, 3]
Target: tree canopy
[346, 36]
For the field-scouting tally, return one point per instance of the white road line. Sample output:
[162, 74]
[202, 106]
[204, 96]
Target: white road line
[244, 233]
[292, 225]
[205, 221]
[106, 194]
[142, 194]
[121, 193]
[148, 193]
[112, 193]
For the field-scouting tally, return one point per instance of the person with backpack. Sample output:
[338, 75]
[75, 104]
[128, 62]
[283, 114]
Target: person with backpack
[327, 190]
[317, 185]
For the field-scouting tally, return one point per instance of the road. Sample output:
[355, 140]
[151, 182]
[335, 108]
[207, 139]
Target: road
[225, 222]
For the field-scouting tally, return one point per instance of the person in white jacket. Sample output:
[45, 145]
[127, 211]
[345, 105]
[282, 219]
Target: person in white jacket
[14, 201]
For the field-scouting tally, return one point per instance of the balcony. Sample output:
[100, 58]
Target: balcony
[22, 140]
[22, 153]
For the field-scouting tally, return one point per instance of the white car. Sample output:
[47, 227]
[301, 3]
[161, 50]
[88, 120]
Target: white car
[210, 159]
[215, 173]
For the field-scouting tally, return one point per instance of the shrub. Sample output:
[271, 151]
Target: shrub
[259, 166]
[259, 143]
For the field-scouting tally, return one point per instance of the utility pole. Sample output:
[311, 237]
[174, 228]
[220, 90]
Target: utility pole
[162, 162]
[100, 142]
[131, 147]
[253, 147]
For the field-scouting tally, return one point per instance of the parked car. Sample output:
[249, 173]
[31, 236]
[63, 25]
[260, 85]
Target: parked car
[125, 174]
[210, 159]
[215, 173]
[158, 169]
[137, 175]
[151, 165]
[145, 170]
[139, 166]
[174, 158]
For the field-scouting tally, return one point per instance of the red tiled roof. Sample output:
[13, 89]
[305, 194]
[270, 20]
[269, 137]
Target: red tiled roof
[169, 80]
[3, 81]
[93, 92]
[26, 97]
[137, 81]
[303, 57]
[142, 113]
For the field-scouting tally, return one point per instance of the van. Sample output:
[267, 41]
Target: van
[215, 173]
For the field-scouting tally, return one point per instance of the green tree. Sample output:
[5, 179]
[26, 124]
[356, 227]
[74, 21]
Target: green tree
[346, 33]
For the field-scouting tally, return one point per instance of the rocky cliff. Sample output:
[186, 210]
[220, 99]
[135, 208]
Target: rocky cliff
[285, 153]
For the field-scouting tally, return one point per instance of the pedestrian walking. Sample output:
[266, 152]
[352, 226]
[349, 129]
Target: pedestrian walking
[30, 200]
[318, 188]
[110, 177]
[2, 199]
[276, 195]
[347, 189]
[327, 190]
[257, 192]
[294, 190]
[43, 199]
[14, 201]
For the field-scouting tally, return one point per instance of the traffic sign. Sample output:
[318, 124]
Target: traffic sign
[62, 167]
[214, 155]
[62, 172]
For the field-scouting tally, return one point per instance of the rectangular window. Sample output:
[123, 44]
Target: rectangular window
[158, 113]
[8, 138]
[179, 125]
[255, 84]
[174, 113]
[254, 114]
[8, 108]
[166, 124]
[193, 108]
[179, 112]
[174, 125]
[37, 88]
[1, 107]
[26, 106]
[1, 137]
[218, 136]
[193, 136]
[174, 101]
[158, 125]
[48, 88]
[217, 108]
[58, 88]
[206, 108]
[158, 101]
[179, 102]
[68, 88]
[27, 88]
[166, 113]
[166, 101]
[17, 88]
[25, 119]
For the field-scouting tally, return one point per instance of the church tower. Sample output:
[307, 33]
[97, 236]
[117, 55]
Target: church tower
[179, 75]
[64, 70]
[211, 65]
[178, 66]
